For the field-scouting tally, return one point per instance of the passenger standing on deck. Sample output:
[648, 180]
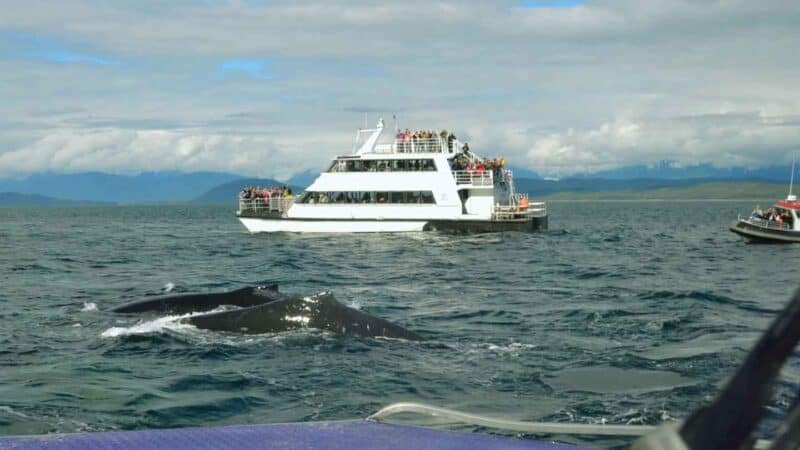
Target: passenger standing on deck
[450, 138]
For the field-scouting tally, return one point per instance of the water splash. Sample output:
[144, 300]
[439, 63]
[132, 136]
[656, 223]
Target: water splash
[169, 287]
[89, 307]
[355, 304]
[161, 324]
[151, 326]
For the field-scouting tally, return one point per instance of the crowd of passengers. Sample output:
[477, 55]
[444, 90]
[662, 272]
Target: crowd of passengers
[773, 215]
[395, 165]
[424, 140]
[462, 162]
[251, 193]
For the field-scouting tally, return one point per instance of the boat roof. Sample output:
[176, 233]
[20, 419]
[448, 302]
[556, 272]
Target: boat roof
[788, 205]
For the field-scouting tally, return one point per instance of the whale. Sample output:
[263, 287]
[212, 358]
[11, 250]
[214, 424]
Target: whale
[199, 302]
[263, 309]
[321, 311]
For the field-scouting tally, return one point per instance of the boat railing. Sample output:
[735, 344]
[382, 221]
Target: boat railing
[473, 177]
[764, 223]
[520, 210]
[420, 145]
[265, 205]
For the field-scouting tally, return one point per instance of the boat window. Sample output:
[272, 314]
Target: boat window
[304, 197]
[395, 197]
[383, 165]
[309, 197]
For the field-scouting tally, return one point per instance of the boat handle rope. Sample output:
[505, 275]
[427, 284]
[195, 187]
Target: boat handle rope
[512, 425]
[664, 435]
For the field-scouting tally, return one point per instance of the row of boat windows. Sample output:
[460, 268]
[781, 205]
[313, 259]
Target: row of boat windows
[383, 165]
[409, 197]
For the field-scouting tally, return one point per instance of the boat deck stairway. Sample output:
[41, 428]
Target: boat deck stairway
[473, 179]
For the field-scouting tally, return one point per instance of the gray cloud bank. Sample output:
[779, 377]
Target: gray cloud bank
[557, 90]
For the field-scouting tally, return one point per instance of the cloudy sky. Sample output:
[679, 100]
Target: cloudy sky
[271, 88]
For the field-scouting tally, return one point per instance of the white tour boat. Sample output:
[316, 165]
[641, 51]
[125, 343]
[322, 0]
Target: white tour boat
[430, 181]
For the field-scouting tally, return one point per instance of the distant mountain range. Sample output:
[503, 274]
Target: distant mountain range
[720, 190]
[228, 193]
[303, 179]
[17, 199]
[541, 187]
[670, 170]
[148, 187]
[221, 188]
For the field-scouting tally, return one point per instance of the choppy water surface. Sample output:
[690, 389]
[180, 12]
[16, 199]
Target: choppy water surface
[622, 313]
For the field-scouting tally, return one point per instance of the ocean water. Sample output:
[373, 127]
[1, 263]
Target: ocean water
[623, 313]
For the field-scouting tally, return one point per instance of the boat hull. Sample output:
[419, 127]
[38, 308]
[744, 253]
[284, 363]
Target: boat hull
[258, 225]
[761, 235]
[290, 225]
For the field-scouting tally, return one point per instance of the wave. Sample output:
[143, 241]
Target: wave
[705, 296]
[11, 412]
[159, 325]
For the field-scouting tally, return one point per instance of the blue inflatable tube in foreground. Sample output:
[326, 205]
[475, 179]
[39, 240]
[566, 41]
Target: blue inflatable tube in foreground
[344, 435]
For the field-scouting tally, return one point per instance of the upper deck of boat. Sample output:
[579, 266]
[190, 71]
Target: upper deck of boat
[400, 149]
[371, 143]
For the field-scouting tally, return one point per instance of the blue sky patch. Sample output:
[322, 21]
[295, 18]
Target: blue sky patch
[69, 57]
[41, 48]
[557, 4]
[254, 68]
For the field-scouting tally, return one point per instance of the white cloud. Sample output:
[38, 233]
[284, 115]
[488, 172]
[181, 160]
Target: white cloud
[746, 140]
[603, 84]
[132, 151]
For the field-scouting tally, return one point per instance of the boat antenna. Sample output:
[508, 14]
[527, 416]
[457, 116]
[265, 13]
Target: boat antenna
[791, 179]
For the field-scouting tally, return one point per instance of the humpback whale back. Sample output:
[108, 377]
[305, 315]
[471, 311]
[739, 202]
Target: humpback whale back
[189, 303]
[320, 311]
